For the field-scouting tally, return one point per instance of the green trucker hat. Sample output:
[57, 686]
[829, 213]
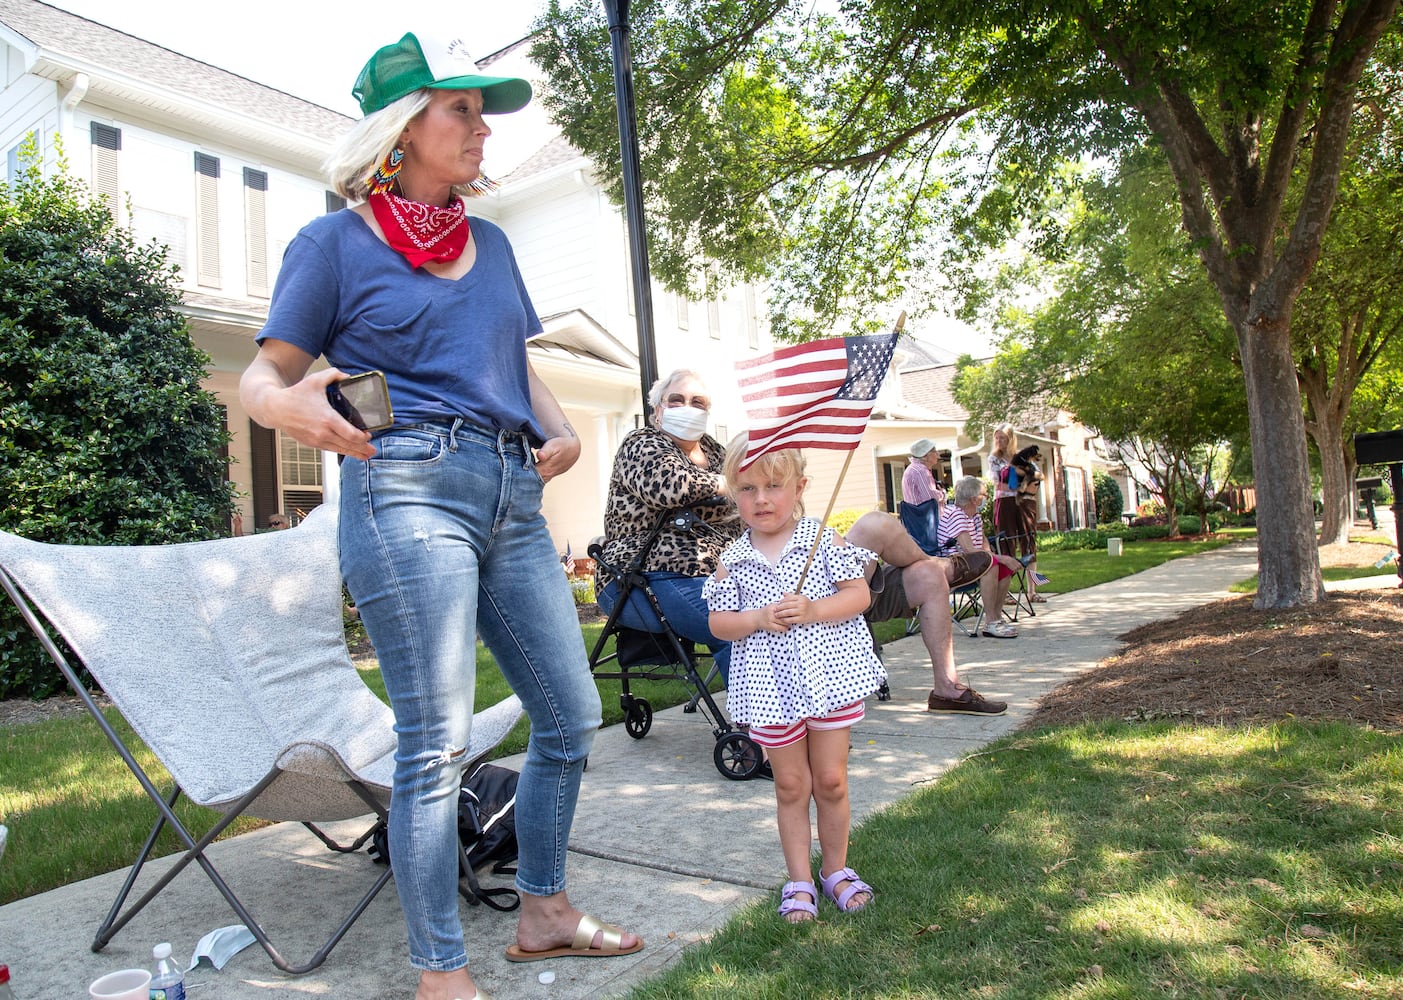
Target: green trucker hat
[418, 60]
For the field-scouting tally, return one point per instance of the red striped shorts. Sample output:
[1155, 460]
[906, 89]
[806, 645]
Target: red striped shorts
[783, 736]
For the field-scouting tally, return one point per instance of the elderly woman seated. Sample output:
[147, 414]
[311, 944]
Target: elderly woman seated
[669, 464]
[962, 530]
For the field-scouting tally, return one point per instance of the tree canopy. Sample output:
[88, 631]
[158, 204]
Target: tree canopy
[105, 433]
[834, 156]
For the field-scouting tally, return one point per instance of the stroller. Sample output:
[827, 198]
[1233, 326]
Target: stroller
[664, 655]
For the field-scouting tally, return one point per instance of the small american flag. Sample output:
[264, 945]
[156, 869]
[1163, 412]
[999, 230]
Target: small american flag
[814, 395]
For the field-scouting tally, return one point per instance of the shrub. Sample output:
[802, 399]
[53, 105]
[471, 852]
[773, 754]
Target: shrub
[841, 520]
[105, 433]
[1110, 503]
[582, 588]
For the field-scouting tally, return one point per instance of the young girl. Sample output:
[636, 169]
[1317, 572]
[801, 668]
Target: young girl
[801, 665]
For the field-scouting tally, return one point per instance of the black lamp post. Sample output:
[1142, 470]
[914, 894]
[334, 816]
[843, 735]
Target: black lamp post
[617, 11]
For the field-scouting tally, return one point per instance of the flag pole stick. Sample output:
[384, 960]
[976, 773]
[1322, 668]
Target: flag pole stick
[813, 549]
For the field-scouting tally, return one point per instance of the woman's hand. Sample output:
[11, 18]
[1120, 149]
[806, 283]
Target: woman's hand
[278, 393]
[557, 455]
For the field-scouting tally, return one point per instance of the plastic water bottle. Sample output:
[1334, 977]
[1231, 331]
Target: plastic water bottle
[167, 982]
[5, 992]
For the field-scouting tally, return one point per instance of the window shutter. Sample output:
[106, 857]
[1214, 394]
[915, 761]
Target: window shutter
[106, 144]
[256, 229]
[334, 202]
[207, 220]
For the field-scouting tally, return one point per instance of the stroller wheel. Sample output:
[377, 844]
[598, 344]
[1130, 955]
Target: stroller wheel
[737, 756]
[638, 718]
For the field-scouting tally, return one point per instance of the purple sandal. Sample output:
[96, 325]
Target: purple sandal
[855, 887]
[790, 904]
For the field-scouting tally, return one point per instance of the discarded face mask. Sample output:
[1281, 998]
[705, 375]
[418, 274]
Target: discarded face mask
[222, 944]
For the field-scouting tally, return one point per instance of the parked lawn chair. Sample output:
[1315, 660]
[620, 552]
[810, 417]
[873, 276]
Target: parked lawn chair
[921, 522]
[1011, 545]
[229, 660]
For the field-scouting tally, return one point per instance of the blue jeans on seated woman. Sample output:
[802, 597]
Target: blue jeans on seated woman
[680, 597]
[442, 537]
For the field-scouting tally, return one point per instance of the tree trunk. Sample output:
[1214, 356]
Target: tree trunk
[1335, 483]
[1288, 564]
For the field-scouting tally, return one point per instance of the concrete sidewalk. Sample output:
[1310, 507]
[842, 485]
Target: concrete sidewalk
[662, 844]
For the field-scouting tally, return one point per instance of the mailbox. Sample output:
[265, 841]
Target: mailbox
[1380, 447]
[1372, 483]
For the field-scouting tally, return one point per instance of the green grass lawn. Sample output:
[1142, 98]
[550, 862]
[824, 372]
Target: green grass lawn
[1117, 862]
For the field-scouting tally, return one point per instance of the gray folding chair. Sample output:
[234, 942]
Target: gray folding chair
[228, 659]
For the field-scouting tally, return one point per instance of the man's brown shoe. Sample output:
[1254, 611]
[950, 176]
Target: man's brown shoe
[970, 702]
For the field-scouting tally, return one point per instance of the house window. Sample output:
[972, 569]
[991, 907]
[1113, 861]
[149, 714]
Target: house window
[301, 464]
[713, 318]
[207, 220]
[12, 165]
[682, 318]
[334, 202]
[106, 144]
[256, 229]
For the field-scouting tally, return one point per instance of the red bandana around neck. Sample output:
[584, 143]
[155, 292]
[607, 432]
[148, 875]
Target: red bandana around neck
[421, 232]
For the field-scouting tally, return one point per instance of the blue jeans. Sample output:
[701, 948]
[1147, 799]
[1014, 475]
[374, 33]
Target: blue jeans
[680, 597]
[442, 538]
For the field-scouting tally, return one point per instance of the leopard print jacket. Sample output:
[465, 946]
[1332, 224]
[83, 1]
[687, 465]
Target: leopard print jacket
[651, 476]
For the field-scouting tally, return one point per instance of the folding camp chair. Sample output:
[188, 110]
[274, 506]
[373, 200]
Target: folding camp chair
[229, 660]
[1018, 589]
[921, 522]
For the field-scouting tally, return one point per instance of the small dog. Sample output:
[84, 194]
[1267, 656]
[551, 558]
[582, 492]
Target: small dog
[1025, 467]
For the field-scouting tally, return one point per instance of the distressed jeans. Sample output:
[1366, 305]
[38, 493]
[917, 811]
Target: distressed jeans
[441, 539]
[680, 597]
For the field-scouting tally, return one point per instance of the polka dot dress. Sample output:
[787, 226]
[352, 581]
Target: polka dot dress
[778, 678]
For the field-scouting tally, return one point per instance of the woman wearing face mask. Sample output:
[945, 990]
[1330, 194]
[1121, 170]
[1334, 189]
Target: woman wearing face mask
[659, 468]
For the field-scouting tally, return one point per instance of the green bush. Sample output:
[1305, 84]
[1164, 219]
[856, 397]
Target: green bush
[1110, 503]
[105, 433]
[841, 520]
[1095, 538]
[582, 589]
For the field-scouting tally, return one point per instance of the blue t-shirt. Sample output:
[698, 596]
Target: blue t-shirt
[447, 348]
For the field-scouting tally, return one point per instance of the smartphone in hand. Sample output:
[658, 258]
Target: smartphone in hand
[363, 400]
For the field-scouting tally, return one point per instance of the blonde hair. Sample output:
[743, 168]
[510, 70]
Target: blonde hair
[1012, 440]
[784, 466]
[351, 164]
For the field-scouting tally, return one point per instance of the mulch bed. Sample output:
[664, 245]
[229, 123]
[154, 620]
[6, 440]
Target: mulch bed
[1227, 663]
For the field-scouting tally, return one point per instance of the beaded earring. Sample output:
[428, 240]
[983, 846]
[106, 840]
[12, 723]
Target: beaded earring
[387, 172]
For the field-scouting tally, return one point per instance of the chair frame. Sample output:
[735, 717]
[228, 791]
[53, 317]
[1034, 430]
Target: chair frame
[195, 847]
[374, 795]
[1022, 599]
[663, 655]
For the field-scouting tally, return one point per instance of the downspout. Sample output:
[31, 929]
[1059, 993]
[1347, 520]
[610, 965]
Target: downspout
[77, 90]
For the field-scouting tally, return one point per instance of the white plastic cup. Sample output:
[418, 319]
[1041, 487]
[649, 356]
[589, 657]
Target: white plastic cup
[129, 984]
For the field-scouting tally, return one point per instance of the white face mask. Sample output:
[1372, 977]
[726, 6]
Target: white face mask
[686, 423]
[221, 944]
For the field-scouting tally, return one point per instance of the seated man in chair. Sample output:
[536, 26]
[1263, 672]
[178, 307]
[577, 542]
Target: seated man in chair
[907, 579]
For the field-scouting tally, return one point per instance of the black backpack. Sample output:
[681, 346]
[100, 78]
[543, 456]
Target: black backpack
[486, 830]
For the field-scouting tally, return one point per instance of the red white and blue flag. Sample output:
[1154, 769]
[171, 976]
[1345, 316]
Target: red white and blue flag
[813, 395]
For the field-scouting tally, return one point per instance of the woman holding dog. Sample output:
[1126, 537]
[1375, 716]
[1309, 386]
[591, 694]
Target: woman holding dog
[1015, 509]
[441, 533]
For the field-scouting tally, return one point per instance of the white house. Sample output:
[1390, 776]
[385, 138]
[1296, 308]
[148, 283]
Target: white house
[224, 171]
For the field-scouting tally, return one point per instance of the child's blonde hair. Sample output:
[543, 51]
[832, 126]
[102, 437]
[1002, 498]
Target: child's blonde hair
[784, 466]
